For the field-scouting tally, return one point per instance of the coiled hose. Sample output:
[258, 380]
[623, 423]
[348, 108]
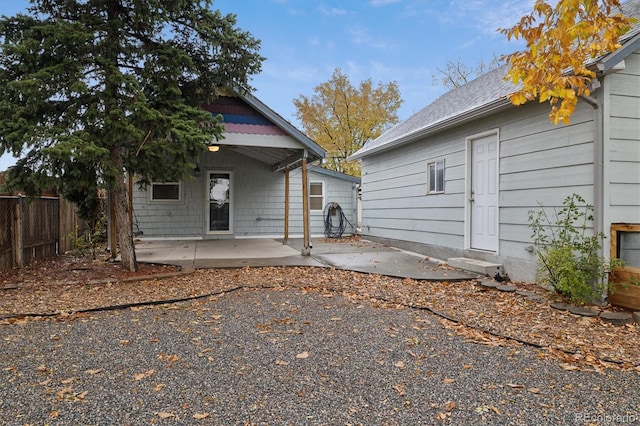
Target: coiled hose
[335, 222]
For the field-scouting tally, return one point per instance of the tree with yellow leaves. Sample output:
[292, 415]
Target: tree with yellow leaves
[561, 40]
[341, 118]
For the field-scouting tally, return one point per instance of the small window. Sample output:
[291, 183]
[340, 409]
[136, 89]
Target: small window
[435, 177]
[166, 191]
[316, 196]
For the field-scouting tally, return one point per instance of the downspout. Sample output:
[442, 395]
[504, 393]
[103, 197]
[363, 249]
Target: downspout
[598, 175]
[598, 166]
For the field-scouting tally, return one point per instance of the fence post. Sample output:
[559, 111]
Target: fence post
[61, 236]
[18, 240]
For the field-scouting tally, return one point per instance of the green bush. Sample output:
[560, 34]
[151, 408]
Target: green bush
[568, 252]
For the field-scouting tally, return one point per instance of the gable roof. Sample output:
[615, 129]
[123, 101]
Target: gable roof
[315, 150]
[245, 114]
[480, 97]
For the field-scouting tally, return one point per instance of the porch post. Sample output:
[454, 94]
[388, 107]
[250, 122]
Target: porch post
[306, 250]
[286, 205]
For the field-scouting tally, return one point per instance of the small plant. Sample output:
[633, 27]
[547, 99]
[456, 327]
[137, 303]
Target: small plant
[79, 243]
[568, 253]
[87, 242]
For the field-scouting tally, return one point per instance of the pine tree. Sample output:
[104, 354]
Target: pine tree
[91, 90]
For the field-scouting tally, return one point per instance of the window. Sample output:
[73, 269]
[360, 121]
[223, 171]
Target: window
[435, 177]
[166, 191]
[316, 196]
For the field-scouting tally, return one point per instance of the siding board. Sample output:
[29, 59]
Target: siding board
[258, 202]
[540, 163]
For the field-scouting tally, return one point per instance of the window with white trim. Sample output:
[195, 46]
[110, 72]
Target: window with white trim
[316, 196]
[435, 177]
[165, 191]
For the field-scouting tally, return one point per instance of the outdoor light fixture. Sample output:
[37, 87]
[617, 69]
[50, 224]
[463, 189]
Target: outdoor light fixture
[196, 171]
[214, 148]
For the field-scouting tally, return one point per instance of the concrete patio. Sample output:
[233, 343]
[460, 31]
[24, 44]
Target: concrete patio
[355, 255]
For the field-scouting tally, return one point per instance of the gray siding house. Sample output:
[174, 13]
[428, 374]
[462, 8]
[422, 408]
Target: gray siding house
[245, 185]
[458, 178]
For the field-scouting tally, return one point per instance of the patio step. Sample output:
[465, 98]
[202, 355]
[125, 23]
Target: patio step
[475, 265]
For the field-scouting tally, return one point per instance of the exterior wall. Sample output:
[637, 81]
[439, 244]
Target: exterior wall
[258, 196]
[538, 163]
[339, 191]
[622, 155]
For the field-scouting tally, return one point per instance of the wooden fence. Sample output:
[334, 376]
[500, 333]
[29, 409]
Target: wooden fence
[34, 228]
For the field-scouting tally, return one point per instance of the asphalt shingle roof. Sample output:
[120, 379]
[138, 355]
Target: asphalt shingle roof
[482, 94]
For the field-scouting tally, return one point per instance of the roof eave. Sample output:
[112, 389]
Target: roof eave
[608, 62]
[332, 173]
[479, 112]
[315, 151]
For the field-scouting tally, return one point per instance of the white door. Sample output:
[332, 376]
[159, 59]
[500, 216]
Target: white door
[484, 193]
[219, 203]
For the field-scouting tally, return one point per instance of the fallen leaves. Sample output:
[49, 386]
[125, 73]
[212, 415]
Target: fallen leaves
[400, 389]
[159, 387]
[303, 355]
[517, 319]
[165, 415]
[144, 375]
[200, 416]
[168, 358]
[481, 409]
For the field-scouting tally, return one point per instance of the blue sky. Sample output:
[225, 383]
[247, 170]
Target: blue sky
[405, 41]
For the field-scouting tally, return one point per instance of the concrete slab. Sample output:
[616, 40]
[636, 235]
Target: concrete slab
[254, 248]
[297, 260]
[172, 252]
[353, 255]
[475, 265]
[394, 264]
[376, 258]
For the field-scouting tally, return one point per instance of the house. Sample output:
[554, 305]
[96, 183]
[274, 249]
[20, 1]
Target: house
[248, 185]
[458, 179]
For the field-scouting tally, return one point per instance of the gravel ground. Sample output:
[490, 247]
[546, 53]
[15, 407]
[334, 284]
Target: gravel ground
[288, 356]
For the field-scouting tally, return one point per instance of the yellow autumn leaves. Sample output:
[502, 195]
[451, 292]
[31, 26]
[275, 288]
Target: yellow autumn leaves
[561, 41]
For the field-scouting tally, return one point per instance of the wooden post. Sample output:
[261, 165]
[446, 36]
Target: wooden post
[306, 250]
[63, 230]
[286, 205]
[17, 237]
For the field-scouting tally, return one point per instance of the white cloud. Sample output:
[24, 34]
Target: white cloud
[377, 3]
[362, 37]
[331, 11]
[487, 18]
